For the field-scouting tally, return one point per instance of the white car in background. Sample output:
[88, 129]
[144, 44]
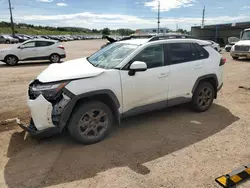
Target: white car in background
[36, 49]
[215, 45]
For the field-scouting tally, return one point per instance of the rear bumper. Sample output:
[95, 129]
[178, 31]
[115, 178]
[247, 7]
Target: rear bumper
[219, 88]
[240, 54]
[63, 56]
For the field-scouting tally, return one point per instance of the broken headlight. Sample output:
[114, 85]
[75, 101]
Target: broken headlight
[50, 91]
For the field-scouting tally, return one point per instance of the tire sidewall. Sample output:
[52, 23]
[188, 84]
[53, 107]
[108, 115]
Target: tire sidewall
[59, 58]
[201, 86]
[11, 56]
[77, 114]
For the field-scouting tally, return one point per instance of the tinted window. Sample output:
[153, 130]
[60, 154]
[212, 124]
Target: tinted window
[43, 43]
[201, 52]
[29, 45]
[181, 52]
[153, 56]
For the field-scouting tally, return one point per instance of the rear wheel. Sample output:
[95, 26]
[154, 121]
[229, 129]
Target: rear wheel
[90, 122]
[203, 97]
[235, 57]
[54, 58]
[11, 60]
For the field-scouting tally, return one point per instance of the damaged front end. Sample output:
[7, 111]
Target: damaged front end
[46, 102]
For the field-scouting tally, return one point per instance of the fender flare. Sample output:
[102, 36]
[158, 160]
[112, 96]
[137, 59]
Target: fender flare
[203, 78]
[67, 111]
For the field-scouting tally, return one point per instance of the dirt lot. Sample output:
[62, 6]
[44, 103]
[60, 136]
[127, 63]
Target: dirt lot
[169, 148]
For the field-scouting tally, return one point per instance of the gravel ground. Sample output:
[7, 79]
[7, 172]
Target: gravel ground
[173, 147]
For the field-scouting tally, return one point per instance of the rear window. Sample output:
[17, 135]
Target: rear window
[44, 43]
[181, 52]
[201, 52]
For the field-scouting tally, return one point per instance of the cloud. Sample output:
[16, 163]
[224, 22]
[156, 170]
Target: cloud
[114, 21]
[246, 7]
[45, 1]
[61, 4]
[167, 5]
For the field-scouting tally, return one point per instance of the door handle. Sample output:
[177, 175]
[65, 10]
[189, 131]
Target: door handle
[198, 66]
[163, 75]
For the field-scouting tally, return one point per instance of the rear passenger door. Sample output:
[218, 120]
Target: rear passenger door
[44, 48]
[186, 66]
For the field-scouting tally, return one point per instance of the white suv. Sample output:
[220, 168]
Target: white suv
[88, 95]
[36, 49]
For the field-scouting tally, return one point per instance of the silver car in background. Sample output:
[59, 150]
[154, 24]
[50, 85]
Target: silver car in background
[8, 39]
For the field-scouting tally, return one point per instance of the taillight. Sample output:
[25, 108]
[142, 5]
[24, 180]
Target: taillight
[223, 61]
[62, 47]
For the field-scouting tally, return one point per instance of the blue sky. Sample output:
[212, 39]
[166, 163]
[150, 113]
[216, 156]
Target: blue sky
[132, 14]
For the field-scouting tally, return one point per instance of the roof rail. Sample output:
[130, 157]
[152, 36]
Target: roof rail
[171, 36]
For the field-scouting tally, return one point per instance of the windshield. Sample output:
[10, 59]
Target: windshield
[111, 55]
[246, 35]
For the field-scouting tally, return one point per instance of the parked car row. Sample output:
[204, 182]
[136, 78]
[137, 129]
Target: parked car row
[11, 39]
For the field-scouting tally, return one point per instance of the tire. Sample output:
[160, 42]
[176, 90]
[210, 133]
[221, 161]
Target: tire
[235, 58]
[55, 58]
[83, 122]
[7, 42]
[11, 60]
[203, 97]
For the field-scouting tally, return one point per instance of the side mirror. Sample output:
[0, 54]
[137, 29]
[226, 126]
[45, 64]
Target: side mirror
[137, 66]
[241, 34]
[21, 47]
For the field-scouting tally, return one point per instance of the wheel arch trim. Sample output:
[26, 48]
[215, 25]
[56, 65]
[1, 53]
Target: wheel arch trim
[67, 112]
[213, 76]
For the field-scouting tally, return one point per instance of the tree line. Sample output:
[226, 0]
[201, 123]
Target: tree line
[105, 31]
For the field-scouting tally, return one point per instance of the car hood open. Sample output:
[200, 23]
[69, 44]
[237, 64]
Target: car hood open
[73, 69]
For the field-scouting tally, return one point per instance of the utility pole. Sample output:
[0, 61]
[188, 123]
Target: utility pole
[159, 9]
[203, 17]
[11, 19]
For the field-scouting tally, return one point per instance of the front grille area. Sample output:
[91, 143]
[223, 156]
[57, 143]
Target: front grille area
[242, 48]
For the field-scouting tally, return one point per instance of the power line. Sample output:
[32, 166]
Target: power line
[11, 19]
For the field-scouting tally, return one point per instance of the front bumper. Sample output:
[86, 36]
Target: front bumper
[240, 54]
[41, 124]
[31, 129]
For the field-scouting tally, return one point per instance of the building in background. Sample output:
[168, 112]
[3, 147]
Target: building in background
[151, 30]
[220, 32]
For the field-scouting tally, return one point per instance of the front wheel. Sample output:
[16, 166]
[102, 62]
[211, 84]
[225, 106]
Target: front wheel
[91, 122]
[203, 97]
[11, 60]
[54, 58]
[235, 58]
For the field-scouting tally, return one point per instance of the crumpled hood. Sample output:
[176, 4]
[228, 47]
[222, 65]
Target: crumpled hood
[243, 42]
[73, 69]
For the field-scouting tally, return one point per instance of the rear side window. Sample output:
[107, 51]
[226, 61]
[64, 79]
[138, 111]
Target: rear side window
[181, 52]
[43, 43]
[201, 52]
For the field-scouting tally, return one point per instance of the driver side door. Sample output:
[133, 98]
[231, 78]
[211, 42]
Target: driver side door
[28, 51]
[146, 90]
